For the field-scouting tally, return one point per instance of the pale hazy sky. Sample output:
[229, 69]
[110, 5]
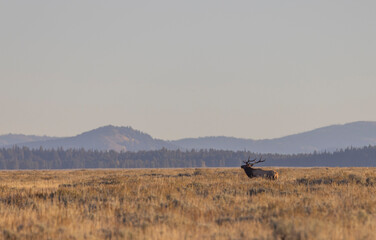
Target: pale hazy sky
[174, 69]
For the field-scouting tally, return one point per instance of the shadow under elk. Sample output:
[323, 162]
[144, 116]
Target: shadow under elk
[258, 172]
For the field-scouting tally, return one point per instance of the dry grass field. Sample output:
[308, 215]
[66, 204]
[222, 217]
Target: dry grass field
[305, 203]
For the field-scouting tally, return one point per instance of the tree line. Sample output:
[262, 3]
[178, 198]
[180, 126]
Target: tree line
[26, 158]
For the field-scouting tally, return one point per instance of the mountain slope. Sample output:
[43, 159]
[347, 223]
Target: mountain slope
[219, 143]
[106, 138]
[12, 139]
[356, 134]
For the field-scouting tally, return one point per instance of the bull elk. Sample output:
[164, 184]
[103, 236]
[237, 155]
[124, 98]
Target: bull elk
[257, 172]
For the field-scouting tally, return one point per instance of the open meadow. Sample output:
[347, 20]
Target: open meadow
[304, 203]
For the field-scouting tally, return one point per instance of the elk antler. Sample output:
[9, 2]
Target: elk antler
[259, 161]
[253, 162]
[249, 161]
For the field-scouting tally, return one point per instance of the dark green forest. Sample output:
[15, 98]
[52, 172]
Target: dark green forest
[25, 158]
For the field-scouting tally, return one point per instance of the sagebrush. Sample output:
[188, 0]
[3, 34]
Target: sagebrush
[305, 203]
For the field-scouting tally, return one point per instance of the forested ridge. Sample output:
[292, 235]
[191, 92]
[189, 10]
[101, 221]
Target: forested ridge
[106, 138]
[25, 158]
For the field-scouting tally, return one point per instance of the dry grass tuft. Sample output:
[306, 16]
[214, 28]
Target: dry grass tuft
[305, 203]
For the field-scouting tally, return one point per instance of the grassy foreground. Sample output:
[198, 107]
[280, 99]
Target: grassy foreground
[309, 203]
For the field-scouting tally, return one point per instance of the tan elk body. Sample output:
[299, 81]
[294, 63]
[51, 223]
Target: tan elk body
[257, 172]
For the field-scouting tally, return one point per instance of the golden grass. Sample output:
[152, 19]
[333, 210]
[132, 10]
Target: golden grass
[305, 203]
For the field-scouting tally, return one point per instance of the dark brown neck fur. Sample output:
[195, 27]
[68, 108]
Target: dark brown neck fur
[248, 170]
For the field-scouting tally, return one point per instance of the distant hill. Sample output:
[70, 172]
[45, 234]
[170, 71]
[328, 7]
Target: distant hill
[331, 138]
[105, 138]
[11, 139]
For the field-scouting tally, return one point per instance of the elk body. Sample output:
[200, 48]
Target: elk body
[257, 172]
